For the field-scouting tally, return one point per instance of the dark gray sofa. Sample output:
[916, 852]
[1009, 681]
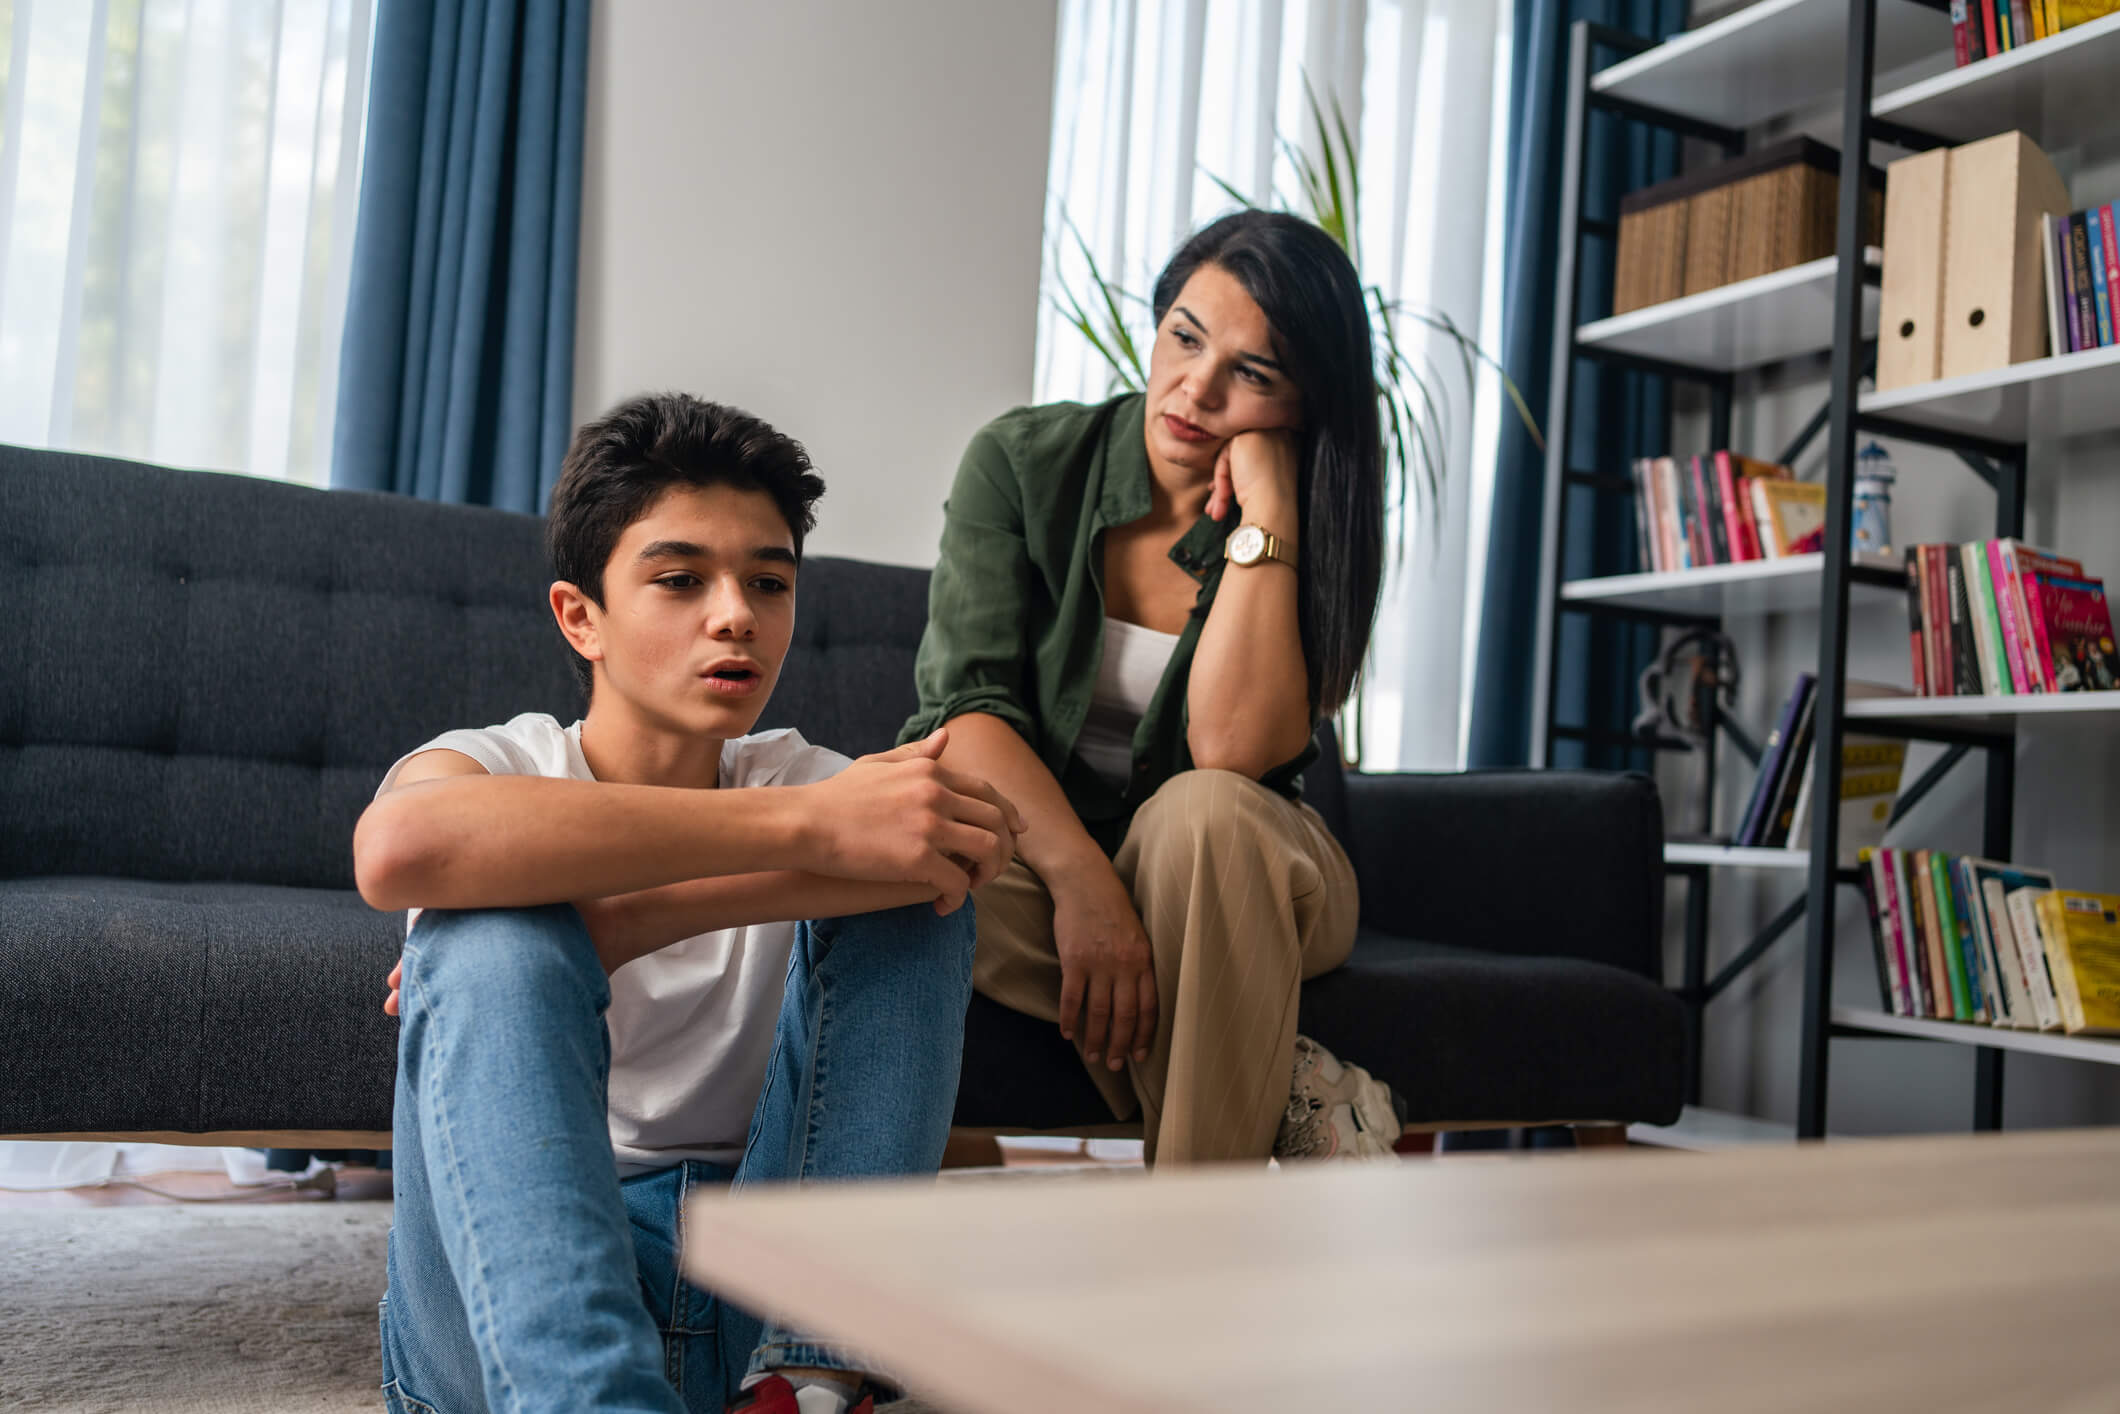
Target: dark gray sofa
[205, 676]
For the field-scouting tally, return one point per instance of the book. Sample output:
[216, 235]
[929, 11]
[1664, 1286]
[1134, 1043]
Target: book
[1781, 812]
[2080, 259]
[1870, 771]
[1646, 552]
[1932, 1002]
[1773, 762]
[1972, 568]
[2082, 935]
[2003, 588]
[2021, 22]
[2109, 240]
[1945, 921]
[1936, 621]
[1711, 517]
[2064, 256]
[2030, 563]
[2079, 634]
[2057, 334]
[1887, 989]
[2021, 905]
[1959, 53]
[1729, 503]
[1914, 640]
[1992, 880]
[1997, 982]
[2099, 299]
[1935, 966]
[1987, 24]
[1672, 525]
[1979, 980]
[1891, 946]
[2003, 29]
[1796, 515]
[1965, 665]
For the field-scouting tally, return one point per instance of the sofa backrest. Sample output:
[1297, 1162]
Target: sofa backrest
[206, 675]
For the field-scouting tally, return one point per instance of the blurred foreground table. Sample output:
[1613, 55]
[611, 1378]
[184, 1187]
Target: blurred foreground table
[1973, 1273]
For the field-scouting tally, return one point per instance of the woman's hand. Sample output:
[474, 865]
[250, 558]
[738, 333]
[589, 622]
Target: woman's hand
[1257, 470]
[1106, 968]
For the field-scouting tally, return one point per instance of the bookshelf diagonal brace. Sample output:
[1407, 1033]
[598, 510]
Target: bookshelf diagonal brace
[1927, 781]
[1779, 924]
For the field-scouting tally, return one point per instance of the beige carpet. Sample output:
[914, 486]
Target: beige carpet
[262, 1309]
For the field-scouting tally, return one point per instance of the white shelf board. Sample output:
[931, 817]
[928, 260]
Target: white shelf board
[1997, 712]
[1779, 315]
[1703, 1129]
[2056, 91]
[1769, 58]
[2067, 396]
[1748, 587]
[2105, 1050]
[1727, 857]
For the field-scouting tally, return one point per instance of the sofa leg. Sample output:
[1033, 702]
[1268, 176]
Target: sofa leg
[1600, 1136]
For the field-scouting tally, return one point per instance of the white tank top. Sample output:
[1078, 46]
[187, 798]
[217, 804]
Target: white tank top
[1134, 662]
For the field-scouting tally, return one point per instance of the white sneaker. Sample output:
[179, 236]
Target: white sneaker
[1335, 1111]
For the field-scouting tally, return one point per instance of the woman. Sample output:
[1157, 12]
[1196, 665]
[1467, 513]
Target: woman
[1140, 612]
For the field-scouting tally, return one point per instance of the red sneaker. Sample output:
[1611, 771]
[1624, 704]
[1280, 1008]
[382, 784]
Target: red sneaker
[774, 1395]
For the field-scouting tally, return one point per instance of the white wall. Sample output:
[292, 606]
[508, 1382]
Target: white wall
[2067, 799]
[827, 212]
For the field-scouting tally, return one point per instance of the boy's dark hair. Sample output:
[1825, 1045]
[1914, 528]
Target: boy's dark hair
[621, 462]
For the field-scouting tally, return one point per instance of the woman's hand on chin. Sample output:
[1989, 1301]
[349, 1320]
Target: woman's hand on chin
[1257, 470]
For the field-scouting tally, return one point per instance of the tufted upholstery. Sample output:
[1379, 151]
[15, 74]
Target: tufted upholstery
[206, 676]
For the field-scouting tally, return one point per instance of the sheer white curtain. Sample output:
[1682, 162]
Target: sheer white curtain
[178, 181]
[177, 190]
[1155, 99]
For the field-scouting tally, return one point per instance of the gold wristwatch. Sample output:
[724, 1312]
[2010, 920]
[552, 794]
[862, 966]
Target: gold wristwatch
[1249, 544]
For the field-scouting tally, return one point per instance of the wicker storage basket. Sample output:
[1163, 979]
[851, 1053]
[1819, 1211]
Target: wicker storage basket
[1749, 216]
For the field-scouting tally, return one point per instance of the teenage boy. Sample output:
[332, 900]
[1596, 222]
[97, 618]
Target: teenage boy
[604, 1002]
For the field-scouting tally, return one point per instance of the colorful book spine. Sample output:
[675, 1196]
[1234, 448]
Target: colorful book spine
[1946, 924]
[1936, 621]
[2101, 301]
[1711, 523]
[1994, 658]
[1644, 520]
[1979, 981]
[1965, 657]
[2080, 256]
[2079, 634]
[1887, 997]
[1960, 53]
[2031, 944]
[2021, 31]
[2065, 278]
[1998, 589]
[1909, 998]
[1914, 639]
[2109, 246]
[2010, 589]
[2003, 34]
[1728, 502]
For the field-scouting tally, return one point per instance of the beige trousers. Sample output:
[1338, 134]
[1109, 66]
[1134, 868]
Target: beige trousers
[1243, 893]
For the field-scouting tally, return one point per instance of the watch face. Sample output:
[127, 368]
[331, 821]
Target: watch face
[1247, 545]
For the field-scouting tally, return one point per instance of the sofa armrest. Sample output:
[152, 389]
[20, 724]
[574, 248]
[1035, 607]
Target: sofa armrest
[1531, 863]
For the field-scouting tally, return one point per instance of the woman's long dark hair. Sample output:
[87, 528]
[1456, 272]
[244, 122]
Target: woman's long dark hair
[1308, 290]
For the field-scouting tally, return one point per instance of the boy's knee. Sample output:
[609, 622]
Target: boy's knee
[495, 952]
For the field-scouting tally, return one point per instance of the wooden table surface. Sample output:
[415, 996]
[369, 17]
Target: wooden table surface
[1970, 1273]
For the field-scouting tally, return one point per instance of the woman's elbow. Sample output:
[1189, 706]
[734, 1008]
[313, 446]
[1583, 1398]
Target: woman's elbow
[1251, 756]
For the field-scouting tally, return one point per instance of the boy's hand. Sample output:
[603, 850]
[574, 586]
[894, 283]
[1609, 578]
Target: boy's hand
[902, 817]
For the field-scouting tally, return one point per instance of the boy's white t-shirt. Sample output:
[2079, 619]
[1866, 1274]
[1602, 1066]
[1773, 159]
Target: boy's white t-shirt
[691, 1024]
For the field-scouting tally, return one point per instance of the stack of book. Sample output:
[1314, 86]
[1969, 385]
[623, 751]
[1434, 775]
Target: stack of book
[1720, 508]
[1983, 28]
[1778, 812]
[2082, 253]
[1999, 618]
[1963, 939]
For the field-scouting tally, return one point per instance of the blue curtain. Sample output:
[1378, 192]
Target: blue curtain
[1618, 416]
[456, 378]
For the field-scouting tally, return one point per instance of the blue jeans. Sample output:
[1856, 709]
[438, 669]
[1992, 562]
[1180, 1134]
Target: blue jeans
[523, 1274]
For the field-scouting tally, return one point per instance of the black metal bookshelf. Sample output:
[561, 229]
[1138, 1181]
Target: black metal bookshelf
[1998, 459]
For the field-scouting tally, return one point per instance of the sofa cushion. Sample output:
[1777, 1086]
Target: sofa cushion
[1464, 1036]
[1469, 1035]
[131, 1006]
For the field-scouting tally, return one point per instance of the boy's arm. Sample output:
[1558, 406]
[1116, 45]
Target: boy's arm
[633, 925]
[449, 835]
